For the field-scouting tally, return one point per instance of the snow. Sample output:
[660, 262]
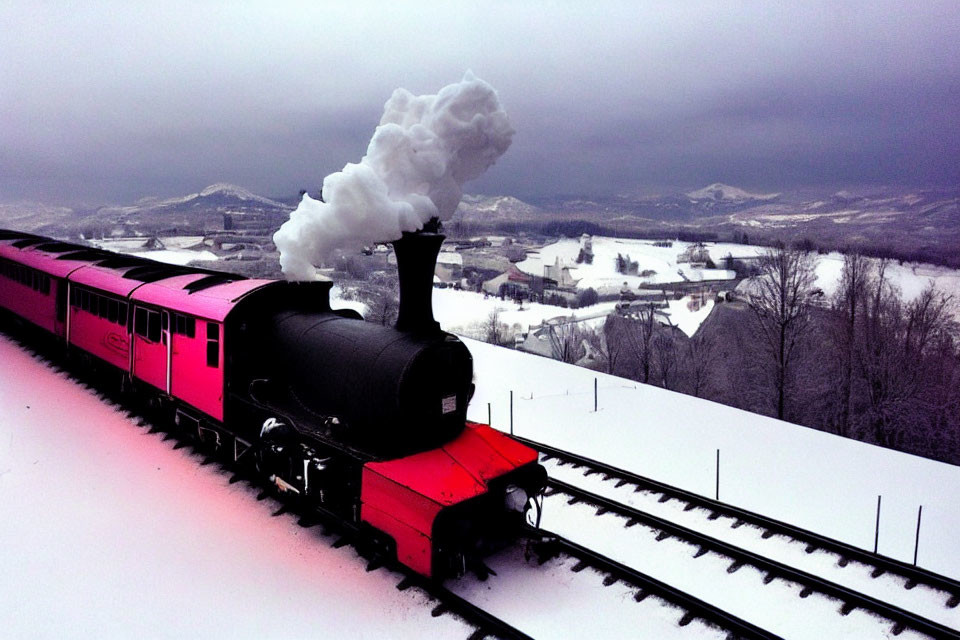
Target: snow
[910, 278]
[456, 310]
[719, 191]
[812, 479]
[602, 274]
[553, 601]
[775, 607]
[109, 532]
[921, 599]
[178, 256]
[688, 314]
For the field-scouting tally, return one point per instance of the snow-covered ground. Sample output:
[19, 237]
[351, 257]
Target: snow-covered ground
[775, 607]
[464, 312]
[174, 254]
[106, 531]
[910, 278]
[602, 274]
[809, 478]
[921, 599]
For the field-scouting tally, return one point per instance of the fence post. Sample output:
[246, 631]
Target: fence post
[594, 395]
[717, 495]
[489, 418]
[916, 544]
[876, 535]
[511, 411]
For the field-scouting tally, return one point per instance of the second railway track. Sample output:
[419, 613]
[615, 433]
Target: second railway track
[891, 583]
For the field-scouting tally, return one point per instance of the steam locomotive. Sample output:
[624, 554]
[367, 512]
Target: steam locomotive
[356, 421]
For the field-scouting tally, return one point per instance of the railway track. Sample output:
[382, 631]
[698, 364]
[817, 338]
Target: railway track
[554, 544]
[772, 570]
[912, 576]
[446, 601]
[486, 624]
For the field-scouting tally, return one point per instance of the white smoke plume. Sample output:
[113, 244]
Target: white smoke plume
[420, 155]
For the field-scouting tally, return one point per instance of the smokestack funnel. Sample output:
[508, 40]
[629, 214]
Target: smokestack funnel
[416, 262]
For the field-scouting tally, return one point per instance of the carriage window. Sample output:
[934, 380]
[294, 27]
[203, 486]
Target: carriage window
[153, 326]
[112, 311]
[184, 325]
[213, 344]
[103, 307]
[140, 322]
[122, 314]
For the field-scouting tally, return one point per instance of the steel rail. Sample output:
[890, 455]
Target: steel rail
[883, 564]
[773, 569]
[647, 585]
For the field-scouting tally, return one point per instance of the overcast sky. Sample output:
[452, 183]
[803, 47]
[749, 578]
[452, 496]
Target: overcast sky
[107, 102]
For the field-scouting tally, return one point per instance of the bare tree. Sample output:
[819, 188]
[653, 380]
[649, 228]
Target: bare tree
[566, 340]
[665, 355]
[697, 363]
[383, 304]
[637, 332]
[780, 303]
[608, 344]
[847, 306]
[494, 330]
[899, 359]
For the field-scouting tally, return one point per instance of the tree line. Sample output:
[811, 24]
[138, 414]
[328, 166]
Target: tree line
[864, 362]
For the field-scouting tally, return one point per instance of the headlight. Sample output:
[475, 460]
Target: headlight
[515, 499]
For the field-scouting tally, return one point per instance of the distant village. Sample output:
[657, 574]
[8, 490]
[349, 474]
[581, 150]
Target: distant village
[509, 268]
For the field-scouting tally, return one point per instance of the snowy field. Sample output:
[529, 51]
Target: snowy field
[174, 253]
[602, 274]
[106, 531]
[464, 312]
[910, 278]
[809, 478]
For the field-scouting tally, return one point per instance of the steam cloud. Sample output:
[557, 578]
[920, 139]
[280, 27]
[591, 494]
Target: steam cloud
[420, 155]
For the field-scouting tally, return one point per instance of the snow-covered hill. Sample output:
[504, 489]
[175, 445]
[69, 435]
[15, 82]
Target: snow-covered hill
[217, 195]
[719, 192]
[813, 479]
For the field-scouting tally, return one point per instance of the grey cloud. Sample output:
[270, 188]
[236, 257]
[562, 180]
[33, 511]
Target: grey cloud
[111, 101]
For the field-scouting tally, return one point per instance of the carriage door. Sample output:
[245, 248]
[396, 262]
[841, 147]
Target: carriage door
[151, 347]
[167, 340]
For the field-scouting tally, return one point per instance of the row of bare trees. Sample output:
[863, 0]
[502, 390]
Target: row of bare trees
[864, 363]
[898, 360]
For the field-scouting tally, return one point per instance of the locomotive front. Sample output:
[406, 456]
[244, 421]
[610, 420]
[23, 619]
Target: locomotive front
[384, 410]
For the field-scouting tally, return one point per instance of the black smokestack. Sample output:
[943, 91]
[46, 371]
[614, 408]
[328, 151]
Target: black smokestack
[416, 262]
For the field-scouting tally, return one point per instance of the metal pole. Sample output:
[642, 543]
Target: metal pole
[916, 545]
[876, 535]
[718, 476]
[511, 411]
[489, 419]
[594, 395]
